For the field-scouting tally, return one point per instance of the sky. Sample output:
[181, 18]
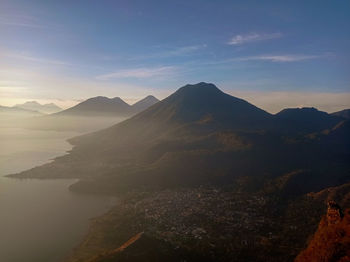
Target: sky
[275, 54]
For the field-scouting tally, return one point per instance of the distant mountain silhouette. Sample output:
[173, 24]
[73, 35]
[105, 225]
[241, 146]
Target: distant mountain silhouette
[98, 106]
[16, 111]
[306, 119]
[144, 103]
[104, 106]
[43, 108]
[14, 116]
[343, 113]
[196, 134]
[90, 115]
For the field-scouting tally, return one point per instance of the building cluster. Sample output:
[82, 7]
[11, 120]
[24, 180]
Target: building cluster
[205, 215]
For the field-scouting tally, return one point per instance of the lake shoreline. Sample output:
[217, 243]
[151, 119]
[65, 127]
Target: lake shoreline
[41, 217]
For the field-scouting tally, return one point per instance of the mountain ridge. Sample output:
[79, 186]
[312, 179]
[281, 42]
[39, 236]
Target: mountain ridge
[307, 119]
[201, 128]
[43, 108]
[104, 106]
[96, 106]
[144, 103]
[90, 115]
[343, 113]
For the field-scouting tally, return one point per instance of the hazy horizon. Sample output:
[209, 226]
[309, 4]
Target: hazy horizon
[272, 102]
[274, 55]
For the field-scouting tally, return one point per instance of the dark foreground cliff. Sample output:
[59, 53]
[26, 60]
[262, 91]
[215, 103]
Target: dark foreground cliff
[331, 241]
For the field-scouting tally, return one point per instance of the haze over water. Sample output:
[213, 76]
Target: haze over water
[40, 220]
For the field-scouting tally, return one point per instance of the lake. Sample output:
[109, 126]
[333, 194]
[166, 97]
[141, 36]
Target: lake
[40, 220]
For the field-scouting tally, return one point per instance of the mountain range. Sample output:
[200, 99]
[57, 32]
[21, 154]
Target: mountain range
[90, 115]
[104, 106]
[42, 108]
[241, 175]
[202, 129]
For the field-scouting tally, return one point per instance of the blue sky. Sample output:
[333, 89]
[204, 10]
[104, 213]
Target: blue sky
[275, 54]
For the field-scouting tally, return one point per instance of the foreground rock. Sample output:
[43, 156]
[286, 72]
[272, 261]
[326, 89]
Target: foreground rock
[331, 241]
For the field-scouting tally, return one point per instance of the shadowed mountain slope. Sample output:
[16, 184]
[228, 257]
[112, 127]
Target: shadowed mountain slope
[201, 135]
[306, 119]
[144, 103]
[343, 113]
[193, 108]
[205, 103]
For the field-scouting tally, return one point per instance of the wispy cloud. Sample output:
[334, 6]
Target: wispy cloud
[181, 51]
[20, 20]
[285, 58]
[139, 73]
[252, 37]
[34, 59]
[280, 58]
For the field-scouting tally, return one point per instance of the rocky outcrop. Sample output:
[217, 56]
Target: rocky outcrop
[331, 242]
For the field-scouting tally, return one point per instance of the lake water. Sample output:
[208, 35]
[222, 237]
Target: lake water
[40, 220]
